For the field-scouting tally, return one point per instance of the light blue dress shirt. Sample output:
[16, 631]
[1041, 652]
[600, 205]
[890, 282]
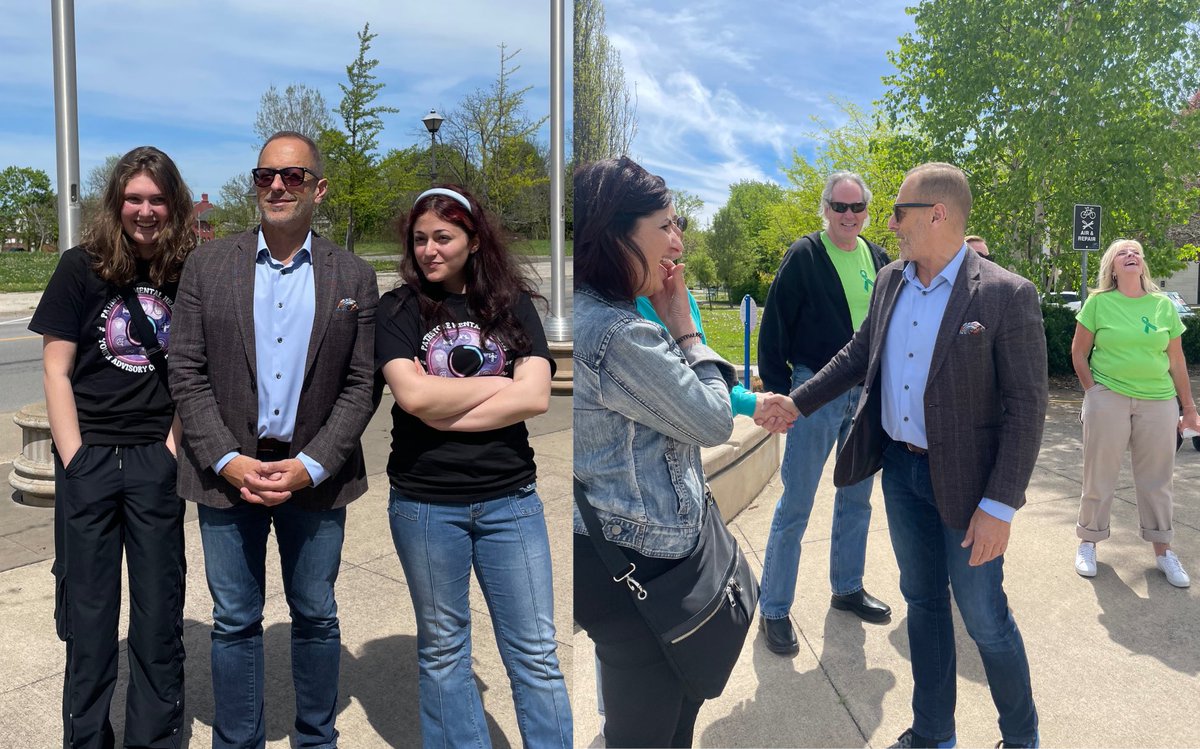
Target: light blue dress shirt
[907, 353]
[284, 306]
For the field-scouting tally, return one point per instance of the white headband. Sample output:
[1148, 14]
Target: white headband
[448, 193]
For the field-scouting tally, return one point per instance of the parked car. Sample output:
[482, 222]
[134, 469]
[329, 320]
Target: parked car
[1068, 299]
[1185, 311]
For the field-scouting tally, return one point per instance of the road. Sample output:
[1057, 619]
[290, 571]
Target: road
[20, 363]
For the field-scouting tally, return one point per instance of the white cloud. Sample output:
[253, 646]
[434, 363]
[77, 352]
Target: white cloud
[726, 92]
[187, 76]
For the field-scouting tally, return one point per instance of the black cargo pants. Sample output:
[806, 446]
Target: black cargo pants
[109, 500]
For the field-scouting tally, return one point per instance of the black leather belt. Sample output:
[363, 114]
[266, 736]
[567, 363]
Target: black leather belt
[273, 448]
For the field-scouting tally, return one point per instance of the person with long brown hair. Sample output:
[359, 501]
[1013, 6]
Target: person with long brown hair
[462, 347]
[114, 435]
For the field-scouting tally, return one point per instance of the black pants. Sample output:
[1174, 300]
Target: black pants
[644, 701]
[109, 500]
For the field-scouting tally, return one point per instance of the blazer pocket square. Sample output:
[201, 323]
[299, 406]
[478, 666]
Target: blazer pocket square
[971, 328]
[347, 305]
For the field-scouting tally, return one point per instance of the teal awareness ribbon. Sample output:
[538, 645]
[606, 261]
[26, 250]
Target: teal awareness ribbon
[867, 282]
[1149, 325]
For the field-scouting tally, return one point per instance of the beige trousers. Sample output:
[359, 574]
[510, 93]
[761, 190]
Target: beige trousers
[1111, 423]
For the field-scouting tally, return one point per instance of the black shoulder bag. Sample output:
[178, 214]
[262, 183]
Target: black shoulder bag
[700, 610]
[145, 331]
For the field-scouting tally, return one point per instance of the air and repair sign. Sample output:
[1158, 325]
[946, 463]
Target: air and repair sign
[1087, 227]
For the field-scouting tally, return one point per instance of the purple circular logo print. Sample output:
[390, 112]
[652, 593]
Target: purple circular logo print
[121, 344]
[463, 355]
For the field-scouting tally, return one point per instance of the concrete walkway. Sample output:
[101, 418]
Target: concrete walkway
[378, 705]
[1114, 660]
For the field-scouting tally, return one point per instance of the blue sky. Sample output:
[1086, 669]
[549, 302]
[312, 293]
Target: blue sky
[726, 91]
[187, 76]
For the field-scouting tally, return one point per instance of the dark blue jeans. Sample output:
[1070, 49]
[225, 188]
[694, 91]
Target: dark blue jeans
[932, 562]
[235, 555]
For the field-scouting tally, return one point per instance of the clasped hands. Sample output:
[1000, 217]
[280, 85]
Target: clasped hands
[775, 412]
[269, 483]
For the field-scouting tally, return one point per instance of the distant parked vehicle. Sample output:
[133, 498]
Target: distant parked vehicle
[14, 248]
[1068, 299]
[1176, 298]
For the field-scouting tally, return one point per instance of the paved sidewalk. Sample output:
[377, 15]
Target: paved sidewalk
[378, 701]
[1114, 660]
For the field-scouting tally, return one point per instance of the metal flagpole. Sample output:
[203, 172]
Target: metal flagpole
[66, 124]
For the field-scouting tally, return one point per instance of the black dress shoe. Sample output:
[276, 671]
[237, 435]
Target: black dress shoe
[866, 606]
[781, 638]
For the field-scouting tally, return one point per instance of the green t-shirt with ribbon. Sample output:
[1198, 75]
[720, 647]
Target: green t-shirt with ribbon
[856, 270]
[1129, 355]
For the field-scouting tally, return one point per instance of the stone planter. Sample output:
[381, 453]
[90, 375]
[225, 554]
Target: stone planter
[33, 470]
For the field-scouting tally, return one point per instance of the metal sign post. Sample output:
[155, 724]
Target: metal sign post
[1086, 237]
[749, 315]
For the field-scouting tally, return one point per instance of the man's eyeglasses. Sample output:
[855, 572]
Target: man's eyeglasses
[898, 209]
[840, 207]
[679, 221]
[292, 176]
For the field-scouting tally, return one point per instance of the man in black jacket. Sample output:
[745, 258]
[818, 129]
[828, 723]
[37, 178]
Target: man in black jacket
[818, 299]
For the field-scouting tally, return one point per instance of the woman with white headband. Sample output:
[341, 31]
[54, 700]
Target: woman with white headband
[463, 350]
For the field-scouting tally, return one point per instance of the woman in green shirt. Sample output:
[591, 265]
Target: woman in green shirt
[1129, 359]
[743, 401]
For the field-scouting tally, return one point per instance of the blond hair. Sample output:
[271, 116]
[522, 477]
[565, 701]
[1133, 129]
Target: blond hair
[1106, 279]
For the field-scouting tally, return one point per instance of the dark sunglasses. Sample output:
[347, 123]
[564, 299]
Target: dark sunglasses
[840, 207]
[679, 221]
[898, 209]
[292, 176]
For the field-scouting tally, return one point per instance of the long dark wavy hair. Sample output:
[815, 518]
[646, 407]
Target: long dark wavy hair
[494, 280]
[610, 196]
[113, 256]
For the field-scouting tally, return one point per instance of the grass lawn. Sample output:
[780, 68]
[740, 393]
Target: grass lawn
[723, 329]
[26, 271]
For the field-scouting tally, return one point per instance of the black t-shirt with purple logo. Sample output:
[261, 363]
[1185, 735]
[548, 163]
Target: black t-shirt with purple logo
[120, 399]
[454, 467]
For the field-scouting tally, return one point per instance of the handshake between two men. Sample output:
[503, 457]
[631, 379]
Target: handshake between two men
[775, 412]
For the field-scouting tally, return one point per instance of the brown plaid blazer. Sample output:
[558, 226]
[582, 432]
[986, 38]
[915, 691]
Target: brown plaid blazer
[213, 378]
[985, 400]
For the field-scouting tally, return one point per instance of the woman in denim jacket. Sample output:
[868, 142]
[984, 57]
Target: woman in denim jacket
[646, 400]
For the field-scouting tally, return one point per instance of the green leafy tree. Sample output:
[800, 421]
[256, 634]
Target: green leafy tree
[355, 187]
[27, 207]
[735, 245]
[1048, 104]
[498, 153]
[605, 113]
[863, 143]
[297, 108]
[236, 207]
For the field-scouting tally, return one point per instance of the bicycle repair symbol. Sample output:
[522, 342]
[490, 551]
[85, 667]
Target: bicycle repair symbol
[1087, 227]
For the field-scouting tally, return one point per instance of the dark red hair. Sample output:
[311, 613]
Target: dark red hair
[494, 282]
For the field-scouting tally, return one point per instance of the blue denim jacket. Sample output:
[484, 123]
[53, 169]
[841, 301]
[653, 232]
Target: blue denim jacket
[643, 409]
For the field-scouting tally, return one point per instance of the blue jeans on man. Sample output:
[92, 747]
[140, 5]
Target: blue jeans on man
[809, 443]
[310, 554]
[932, 562]
[505, 540]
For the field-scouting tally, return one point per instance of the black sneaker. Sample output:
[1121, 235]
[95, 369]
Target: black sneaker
[910, 739]
[1002, 744]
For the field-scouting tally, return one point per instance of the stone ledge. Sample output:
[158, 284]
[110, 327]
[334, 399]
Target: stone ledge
[738, 470]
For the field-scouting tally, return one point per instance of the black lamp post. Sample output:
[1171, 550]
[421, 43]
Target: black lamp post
[432, 121]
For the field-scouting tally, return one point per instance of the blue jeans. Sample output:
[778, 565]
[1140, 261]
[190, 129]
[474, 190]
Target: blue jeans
[505, 540]
[235, 555]
[809, 442]
[932, 562]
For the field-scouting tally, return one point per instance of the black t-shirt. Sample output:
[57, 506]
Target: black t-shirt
[120, 399]
[454, 467]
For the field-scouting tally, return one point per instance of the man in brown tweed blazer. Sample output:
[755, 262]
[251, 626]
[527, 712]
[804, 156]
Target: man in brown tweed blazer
[271, 370]
[953, 354]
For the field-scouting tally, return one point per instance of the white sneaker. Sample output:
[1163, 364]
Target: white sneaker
[1173, 569]
[1085, 559]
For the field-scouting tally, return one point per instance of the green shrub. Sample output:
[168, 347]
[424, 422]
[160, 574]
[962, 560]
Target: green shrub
[1191, 341]
[1060, 329]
